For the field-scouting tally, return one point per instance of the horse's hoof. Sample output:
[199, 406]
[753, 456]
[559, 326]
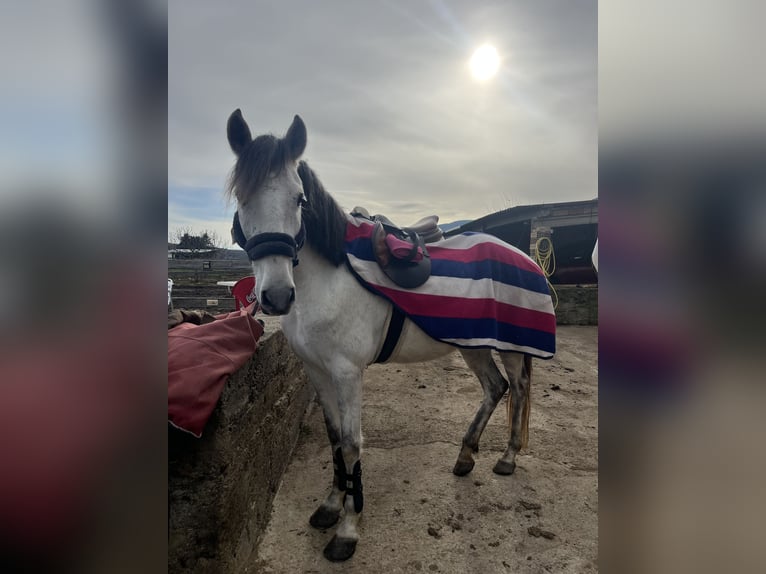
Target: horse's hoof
[463, 467]
[504, 467]
[324, 518]
[339, 549]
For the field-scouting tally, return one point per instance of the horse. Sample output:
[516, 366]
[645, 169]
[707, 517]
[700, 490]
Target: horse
[293, 231]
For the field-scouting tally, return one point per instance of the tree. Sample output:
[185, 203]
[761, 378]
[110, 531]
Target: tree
[195, 242]
[185, 238]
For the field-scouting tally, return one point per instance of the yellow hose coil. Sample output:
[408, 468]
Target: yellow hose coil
[546, 259]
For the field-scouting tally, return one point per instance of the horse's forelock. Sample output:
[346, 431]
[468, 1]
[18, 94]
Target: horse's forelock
[264, 155]
[324, 220]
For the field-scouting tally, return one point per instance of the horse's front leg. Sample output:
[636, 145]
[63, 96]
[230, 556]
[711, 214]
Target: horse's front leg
[348, 386]
[327, 514]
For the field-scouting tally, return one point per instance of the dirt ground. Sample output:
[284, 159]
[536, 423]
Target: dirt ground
[418, 516]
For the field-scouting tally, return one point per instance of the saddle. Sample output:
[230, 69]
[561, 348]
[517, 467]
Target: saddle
[401, 251]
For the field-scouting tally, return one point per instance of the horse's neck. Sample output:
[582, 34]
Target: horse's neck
[313, 272]
[333, 317]
[322, 288]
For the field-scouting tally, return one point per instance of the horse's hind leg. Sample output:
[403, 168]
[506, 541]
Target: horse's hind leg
[328, 512]
[518, 368]
[494, 385]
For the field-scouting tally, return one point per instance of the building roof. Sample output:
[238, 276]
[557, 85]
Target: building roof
[563, 210]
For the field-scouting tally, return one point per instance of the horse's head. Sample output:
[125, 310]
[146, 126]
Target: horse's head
[269, 197]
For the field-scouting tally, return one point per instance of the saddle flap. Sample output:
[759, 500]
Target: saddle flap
[379, 247]
[409, 271]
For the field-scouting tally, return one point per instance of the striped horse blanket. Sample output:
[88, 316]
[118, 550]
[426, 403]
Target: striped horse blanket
[482, 292]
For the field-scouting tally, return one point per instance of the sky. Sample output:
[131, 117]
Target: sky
[396, 123]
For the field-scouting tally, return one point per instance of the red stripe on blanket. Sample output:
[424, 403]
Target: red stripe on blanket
[460, 308]
[363, 230]
[481, 252]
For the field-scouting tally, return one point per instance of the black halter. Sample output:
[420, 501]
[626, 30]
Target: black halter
[263, 244]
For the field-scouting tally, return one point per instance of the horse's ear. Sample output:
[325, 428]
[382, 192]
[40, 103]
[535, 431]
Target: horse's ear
[296, 138]
[238, 132]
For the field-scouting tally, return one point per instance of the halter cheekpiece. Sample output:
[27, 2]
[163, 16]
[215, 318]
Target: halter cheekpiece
[263, 244]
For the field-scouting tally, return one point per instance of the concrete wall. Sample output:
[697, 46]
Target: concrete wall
[220, 487]
[578, 305]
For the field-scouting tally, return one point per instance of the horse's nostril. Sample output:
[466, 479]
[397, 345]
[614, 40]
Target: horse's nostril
[277, 300]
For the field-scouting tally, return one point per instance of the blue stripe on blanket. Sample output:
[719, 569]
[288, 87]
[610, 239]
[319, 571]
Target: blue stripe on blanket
[490, 269]
[361, 248]
[448, 328]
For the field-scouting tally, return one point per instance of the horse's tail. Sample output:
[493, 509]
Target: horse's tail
[527, 404]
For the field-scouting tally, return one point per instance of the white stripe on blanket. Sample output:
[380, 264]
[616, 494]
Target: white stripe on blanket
[499, 345]
[465, 288]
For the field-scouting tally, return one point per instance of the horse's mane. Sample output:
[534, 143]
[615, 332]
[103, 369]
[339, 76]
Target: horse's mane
[324, 220]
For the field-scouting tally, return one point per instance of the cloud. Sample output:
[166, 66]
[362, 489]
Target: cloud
[394, 120]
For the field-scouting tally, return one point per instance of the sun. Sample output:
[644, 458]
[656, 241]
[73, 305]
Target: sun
[485, 63]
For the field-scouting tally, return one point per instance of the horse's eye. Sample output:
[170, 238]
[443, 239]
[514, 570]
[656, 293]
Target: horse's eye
[302, 201]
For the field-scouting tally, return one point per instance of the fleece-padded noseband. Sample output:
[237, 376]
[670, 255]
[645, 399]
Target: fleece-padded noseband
[264, 244]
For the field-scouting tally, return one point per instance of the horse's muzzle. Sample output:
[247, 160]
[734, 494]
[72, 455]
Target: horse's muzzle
[277, 301]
